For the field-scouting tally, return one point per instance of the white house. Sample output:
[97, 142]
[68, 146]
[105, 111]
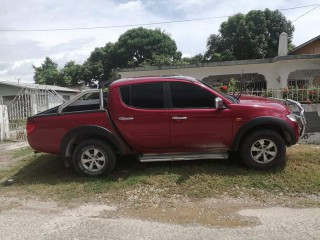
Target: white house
[299, 67]
[35, 97]
[21, 100]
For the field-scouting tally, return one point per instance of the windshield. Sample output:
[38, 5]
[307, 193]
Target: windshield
[230, 97]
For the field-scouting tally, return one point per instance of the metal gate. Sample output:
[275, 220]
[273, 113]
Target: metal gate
[25, 104]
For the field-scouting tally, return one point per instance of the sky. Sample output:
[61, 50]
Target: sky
[19, 50]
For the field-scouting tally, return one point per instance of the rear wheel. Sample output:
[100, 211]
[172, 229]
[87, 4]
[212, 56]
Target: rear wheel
[263, 149]
[94, 158]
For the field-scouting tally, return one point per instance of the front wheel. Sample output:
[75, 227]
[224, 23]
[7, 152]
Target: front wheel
[263, 149]
[94, 158]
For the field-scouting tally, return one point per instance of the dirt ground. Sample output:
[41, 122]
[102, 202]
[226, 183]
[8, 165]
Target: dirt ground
[5, 156]
[29, 218]
[7, 146]
[177, 217]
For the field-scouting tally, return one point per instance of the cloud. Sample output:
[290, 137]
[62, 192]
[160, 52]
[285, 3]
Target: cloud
[32, 47]
[130, 6]
[4, 66]
[24, 49]
[18, 57]
[18, 69]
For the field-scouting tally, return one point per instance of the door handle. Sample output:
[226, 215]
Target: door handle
[126, 118]
[179, 118]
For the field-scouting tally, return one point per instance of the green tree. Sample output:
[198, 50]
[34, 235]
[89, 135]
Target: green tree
[199, 58]
[91, 71]
[136, 47]
[48, 73]
[101, 64]
[216, 50]
[72, 74]
[145, 46]
[249, 36]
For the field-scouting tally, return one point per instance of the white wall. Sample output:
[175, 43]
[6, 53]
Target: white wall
[276, 73]
[4, 123]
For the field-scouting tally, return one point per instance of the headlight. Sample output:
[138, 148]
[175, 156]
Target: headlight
[292, 117]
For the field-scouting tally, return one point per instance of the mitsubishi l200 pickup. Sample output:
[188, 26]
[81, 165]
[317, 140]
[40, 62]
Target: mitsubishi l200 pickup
[164, 119]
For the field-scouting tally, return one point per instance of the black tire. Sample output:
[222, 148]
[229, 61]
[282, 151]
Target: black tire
[94, 158]
[263, 149]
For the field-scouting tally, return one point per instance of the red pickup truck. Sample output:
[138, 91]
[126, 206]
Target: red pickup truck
[161, 119]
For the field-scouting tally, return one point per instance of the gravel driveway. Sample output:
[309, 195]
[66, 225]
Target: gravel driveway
[31, 219]
[22, 217]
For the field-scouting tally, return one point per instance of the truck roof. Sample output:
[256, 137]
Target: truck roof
[146, 79]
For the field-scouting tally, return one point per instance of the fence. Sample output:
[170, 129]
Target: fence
[307, 96]
[25, 104]
[31, 101]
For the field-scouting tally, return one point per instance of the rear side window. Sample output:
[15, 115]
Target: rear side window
[186, 95]
[148, 96]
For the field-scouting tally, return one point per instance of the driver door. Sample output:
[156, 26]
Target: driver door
[195, 123]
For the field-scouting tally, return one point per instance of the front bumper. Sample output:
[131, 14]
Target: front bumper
[298, 111]
[299, 114]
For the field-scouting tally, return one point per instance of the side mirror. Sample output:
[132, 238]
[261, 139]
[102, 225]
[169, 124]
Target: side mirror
[218, 103]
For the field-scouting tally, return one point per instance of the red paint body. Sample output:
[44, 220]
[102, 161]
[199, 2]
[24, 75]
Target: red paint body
[154, 130]
[50, 130]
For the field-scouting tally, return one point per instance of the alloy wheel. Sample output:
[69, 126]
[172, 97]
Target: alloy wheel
[93, 159]
[263, 151]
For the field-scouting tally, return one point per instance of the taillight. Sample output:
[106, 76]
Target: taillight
[30, 126]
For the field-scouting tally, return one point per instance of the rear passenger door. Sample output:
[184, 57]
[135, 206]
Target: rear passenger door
[142, 117]
[195, 123]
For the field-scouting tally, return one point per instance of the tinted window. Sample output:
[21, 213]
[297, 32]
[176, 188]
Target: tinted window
[125, 95]
[143, 95]
[185, 95]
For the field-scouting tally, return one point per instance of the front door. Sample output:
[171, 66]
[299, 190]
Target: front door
[195, 123]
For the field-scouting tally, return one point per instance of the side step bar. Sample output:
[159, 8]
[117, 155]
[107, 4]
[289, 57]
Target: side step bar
[181, 157]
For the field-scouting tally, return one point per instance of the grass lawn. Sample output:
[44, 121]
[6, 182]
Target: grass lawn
[45, 176]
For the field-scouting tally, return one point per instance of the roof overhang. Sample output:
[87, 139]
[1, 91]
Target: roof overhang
[304, 44]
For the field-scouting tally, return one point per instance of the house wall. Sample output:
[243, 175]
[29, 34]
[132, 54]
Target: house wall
[276, 70]
[69, 94]
[54, 100]
[51, 100]
[8, 90]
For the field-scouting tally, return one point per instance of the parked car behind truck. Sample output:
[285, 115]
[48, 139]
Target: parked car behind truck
[161, 119]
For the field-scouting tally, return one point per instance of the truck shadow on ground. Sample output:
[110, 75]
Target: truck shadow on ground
[49, 169]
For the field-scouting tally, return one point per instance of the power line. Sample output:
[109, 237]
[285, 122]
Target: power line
[306, 13]
[111, 26]
[147, 24]
[305, 6]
